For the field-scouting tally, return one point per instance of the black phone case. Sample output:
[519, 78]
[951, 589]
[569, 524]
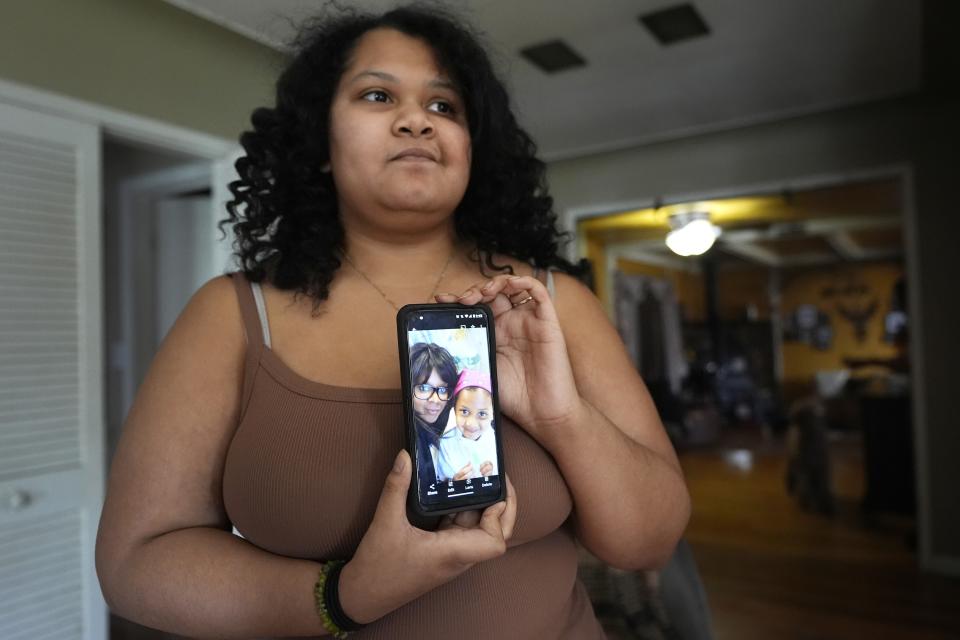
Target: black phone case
[419, 515]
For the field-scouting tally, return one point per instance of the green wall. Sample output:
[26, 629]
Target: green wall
[144, 57]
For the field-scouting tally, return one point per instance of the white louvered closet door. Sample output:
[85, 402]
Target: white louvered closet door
[51, 378]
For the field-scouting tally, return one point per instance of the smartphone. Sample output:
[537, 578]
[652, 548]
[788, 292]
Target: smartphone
[451, 407]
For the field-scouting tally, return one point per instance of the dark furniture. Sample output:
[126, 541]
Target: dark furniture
[888, 454]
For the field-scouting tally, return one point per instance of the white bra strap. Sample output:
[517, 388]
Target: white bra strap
[261, 311]
[549, 283]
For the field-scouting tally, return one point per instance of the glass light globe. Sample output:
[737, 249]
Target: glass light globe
[693, 238]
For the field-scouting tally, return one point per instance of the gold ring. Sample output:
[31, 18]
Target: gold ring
[524, 301]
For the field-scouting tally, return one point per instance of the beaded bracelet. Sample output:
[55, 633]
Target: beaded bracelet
[326, 596]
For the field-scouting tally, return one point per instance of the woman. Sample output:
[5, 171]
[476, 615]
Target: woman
[389, 170]
[433, 373]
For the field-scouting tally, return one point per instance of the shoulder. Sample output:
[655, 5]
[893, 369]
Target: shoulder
[216, 301]
[573, 298]
[221, 290]
[212, 319]
[586, 326]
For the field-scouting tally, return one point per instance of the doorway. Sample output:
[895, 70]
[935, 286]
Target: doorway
[794, 348]
[802, 296]
[158, 229]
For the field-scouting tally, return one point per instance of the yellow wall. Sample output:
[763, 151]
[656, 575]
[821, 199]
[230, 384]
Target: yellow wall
[738, 288]
[801, 361]
[742, 287]
[597, 254]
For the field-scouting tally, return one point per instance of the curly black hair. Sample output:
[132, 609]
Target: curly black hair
[284, 211]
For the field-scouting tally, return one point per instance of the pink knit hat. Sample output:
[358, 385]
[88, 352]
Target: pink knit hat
[473, 378]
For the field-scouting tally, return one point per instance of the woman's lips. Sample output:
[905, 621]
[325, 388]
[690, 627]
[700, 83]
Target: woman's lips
[415, 154]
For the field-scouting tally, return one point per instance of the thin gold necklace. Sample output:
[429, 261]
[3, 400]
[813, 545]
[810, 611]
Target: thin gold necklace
[393, 304]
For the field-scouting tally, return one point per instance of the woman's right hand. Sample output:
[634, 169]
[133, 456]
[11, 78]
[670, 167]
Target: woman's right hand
[397, 562]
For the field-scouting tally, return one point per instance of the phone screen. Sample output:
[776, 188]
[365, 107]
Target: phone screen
[453, 407]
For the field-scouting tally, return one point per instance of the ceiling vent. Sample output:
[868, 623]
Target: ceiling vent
[675, 24]
[553, 56]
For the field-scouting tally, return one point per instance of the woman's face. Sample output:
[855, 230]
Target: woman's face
[429, 410]
[399, 142]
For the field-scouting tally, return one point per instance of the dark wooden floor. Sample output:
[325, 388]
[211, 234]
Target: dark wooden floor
[772, 570]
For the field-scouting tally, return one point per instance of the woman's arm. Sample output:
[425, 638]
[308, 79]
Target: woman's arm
[631, 500]
[566, 378]
[165, 557]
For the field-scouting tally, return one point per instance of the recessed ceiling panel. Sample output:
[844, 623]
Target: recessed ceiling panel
[553, 56]
[675, 24]
[762, 61]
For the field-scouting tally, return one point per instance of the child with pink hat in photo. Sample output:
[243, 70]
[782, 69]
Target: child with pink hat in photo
[473, 441]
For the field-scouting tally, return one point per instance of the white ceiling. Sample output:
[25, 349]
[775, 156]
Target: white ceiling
[763, 60]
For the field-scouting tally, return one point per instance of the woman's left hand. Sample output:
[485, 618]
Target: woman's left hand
[536, 384]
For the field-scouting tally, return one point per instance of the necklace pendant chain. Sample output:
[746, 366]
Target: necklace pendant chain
[383, 295]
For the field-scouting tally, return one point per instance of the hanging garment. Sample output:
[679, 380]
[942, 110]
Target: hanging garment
[643, 337]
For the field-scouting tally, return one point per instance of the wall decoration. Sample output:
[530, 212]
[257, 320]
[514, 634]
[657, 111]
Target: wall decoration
[854, 302]
[858, 313]
[895, 322]
[809, 325]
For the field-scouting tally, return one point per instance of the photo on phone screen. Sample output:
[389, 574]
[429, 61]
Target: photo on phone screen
[453, 408]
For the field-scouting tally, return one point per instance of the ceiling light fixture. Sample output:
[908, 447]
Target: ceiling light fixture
[693, 234]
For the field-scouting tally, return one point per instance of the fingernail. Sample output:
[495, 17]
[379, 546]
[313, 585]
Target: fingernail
[487, 285]
[399, 463]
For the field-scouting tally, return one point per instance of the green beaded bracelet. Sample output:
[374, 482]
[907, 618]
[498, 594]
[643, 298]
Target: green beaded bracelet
[327, 600]
[319, 590]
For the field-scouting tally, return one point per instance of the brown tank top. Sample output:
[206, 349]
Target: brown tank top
[303, 474]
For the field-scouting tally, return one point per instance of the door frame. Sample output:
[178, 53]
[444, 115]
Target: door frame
[138, 198]
[904, 173]
[136, 130]
[124, 126]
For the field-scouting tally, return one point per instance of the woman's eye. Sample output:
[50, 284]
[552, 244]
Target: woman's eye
[482, 415]
[441, 107]
[376, 96]
[464, 412]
